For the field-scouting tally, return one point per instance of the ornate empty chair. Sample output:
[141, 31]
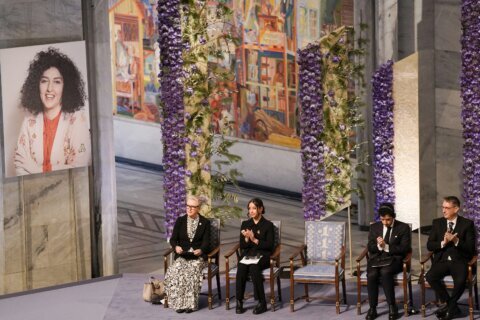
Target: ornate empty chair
[212, 269]
[270, 274]
[323, 259]
[448, 280]
[403, 278]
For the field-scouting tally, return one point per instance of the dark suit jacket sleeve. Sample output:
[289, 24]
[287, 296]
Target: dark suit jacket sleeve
[435, 238]
[467, 245]
[244, 244]
[268, 240]
[206, 236]
[174, 239]
[372, 238]
[405, 244]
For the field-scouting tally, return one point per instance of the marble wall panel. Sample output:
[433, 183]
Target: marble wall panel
[14, 282]
[449, 109]
[449, 164]
[448, 27]
[406, 146]
[49, 19]
[387, 26]
[447, 69]
[13, 227]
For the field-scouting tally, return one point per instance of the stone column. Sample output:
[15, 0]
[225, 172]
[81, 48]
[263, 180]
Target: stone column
[104, 189]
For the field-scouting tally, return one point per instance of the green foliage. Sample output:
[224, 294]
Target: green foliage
[342, 116]
[206, 36]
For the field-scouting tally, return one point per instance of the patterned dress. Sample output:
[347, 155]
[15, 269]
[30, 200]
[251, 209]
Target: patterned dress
[184, 278]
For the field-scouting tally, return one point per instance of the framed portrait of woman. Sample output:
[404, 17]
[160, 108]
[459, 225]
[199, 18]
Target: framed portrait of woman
[45, 108]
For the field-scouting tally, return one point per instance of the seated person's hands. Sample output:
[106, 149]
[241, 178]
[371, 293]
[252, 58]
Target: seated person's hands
[178, 250]
[197, 252]
[380, 242]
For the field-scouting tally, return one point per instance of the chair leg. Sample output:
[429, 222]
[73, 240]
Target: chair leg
[272, 292]
[423, 296]
[292, 291]
[359, 294]
[470, 300]
[209, 292]
[219, 288]
[165, 303]
[337, 296]
[475, 288]
[405, 301]
[279, 289]
[227, 291]
[306, 292]
[344, 290]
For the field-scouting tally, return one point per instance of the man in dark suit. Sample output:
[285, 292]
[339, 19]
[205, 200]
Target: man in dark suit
[452, 241]
[389, 241]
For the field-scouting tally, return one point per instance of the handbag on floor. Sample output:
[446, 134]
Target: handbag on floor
[153, 289]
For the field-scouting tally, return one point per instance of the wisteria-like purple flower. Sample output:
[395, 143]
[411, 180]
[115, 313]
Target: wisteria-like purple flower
[311, 100]
[469, 84]
[382, 135]
[171, 94]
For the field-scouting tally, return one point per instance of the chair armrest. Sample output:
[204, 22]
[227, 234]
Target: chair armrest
[167, 252]
[426, 258]
[297, 251]
[340, 255]
[408, 258]
[362, 255]
[276, 253]
[473, 261]
[232, 251]
[214, 252]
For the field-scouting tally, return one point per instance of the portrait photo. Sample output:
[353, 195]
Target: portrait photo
[45, 108]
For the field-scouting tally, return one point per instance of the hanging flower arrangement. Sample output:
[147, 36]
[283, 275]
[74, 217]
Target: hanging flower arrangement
[311, 120]
[470, 94]
[329, 115]
[171, 94]
[382, 135]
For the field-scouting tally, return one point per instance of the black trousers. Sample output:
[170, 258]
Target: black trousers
[255, 272]
[440, 269]
[385, 274]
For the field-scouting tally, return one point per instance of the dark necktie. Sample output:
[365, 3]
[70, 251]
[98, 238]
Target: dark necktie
[450, 227]
[387, 235]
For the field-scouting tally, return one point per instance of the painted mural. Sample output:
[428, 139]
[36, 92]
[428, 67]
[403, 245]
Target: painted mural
[261, 104]
[134, 59]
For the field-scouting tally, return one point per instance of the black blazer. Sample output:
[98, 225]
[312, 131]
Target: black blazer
[201, 240]
[264, 232]
[400, 243]
[465, 230]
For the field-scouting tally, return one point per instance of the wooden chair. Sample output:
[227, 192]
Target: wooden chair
[323, 260]
[213, 267]
[270, 274]
[403, 278]
[448, 280]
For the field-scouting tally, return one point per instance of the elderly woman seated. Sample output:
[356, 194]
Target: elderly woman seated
[190, 240]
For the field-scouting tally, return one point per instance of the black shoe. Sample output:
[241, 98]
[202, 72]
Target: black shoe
[371, 314]
[392, 312]
[239, 308]
[261, 307]
[189, 311]
[440, 313]
[452, 314]
[180, 310]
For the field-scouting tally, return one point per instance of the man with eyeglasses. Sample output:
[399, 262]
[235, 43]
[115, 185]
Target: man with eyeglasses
[452, 241]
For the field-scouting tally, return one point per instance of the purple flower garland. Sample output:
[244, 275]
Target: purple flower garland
[382, 135]
[311, 120]
[171, 94]
[470, 82]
